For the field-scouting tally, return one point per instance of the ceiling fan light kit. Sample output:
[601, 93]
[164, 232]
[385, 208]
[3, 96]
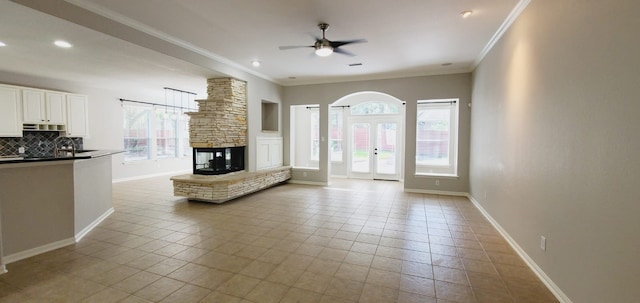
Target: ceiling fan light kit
[325, 47]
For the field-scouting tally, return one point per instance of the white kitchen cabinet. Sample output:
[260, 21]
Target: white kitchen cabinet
[55, 107]
[43, 107]
[77, 122]
[10, 122]
[33, 108]
[269, 152]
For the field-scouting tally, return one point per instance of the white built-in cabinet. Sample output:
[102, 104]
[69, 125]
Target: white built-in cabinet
[268, 152]
[77, 124]
[55, 106]
[42, 107]
[10, 110]
[26, 108]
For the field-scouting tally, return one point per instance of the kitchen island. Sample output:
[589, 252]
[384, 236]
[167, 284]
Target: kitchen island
[47, 203]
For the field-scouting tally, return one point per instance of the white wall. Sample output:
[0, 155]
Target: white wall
[555, 141]
[406, 89]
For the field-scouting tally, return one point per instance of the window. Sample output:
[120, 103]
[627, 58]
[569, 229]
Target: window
[136, 133]
[437, 137]
[315, 134]
[375, 108]
[305, 136]
[166, 134]
[155, 133]
[335, 134]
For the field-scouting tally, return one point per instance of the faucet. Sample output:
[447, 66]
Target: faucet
[65, 142]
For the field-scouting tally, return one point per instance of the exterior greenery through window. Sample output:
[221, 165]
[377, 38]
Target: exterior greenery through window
[375, 108]
[437, 137]
[136, 133]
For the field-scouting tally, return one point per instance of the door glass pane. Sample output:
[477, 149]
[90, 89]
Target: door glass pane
[361, 148]
[386, 148]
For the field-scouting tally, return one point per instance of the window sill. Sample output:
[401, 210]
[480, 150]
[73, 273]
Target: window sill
[305, 168]
[440, 176]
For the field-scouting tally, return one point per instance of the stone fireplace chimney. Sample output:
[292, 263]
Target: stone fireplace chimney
[221, 119]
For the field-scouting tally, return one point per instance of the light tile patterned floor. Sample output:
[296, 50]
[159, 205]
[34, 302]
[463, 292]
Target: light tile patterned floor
[355, 241]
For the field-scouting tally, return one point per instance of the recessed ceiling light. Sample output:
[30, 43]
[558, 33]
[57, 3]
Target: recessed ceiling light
[255, 63]
[355, 64]
[466, 14]
[446, 64]
[62, 43]
[2, 44]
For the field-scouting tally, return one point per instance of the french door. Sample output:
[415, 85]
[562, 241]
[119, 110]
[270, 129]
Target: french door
[375, 148]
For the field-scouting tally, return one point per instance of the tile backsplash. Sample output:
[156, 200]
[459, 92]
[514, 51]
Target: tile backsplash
[36, 144]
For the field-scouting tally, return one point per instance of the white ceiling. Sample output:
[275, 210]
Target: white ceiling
[183, 41]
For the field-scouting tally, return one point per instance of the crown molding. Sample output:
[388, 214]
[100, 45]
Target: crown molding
[513, 15]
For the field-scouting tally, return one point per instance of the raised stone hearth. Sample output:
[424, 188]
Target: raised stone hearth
[221, 188]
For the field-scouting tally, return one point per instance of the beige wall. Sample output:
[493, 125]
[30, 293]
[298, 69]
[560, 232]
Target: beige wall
[406, 89]
[555, 141]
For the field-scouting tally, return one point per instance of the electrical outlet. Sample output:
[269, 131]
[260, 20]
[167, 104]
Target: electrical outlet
[21, 150]
[543, 243]
[437, 182]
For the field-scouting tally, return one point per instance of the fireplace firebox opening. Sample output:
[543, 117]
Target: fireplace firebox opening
[218, 161]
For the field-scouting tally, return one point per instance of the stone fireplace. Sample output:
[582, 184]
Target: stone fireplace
[218, 130]
[218, 136]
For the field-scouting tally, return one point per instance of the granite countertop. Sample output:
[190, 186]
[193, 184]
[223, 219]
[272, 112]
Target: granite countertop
[82, 154]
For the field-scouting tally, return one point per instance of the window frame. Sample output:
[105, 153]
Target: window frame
[180, 129]
[340, 121]
[450, 169]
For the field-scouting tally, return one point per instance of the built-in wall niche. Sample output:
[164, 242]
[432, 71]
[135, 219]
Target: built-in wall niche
[270, 116]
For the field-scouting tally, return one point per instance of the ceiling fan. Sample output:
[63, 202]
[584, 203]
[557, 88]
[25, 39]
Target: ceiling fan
[325, 47]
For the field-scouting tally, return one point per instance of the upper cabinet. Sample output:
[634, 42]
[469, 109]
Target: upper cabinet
[32, 109]
[43, 107]
[10, 122]
[55, 106]
[77, 124]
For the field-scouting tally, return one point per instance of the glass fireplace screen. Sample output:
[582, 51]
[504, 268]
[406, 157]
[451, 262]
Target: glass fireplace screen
[217, 161]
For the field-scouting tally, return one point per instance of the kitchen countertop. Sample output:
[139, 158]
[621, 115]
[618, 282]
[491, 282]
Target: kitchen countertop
[83, 154]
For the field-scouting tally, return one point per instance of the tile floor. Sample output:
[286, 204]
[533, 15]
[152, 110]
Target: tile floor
[355, 241]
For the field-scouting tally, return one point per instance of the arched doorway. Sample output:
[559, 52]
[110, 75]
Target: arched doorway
[367, 136]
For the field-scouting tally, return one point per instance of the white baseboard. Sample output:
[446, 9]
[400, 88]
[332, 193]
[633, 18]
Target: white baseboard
[93, 224]
[435, 192]
[37, 250]
[557, 292]
[308, 182]
[151, 176]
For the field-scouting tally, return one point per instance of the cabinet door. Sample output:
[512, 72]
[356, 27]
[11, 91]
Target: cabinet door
[10, 123]
[77, 123]
[55, 105]
[33, 109]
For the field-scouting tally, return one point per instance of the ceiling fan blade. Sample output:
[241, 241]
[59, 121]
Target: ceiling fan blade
[344, 52]
[336, 44]
[294, 46]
